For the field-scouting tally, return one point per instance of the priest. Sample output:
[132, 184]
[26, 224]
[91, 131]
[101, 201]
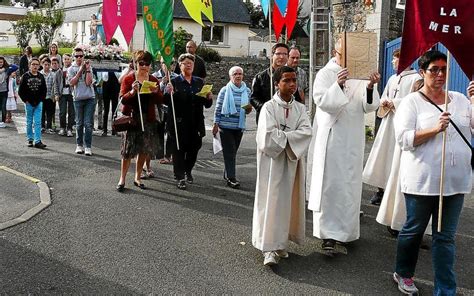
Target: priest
[336, 181]
[283, 137]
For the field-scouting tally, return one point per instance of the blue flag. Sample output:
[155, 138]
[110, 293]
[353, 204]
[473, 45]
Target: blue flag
[265, 7]
[282, 5]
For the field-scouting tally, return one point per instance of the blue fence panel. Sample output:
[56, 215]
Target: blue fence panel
[458, 80]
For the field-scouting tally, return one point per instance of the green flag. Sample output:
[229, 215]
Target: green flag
[158, 21]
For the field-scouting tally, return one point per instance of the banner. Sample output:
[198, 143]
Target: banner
[158, 22]
[289, 20]
[196, 7]
[265, 7]
[429, 22]
[121, 13]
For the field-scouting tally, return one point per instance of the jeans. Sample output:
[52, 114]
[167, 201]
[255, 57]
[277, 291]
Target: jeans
[230, 139]
[66, 107]
[49, 108]
[419, 210]
[84, 121]
[3, 104]
[33, 117]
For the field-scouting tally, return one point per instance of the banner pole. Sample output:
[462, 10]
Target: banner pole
[443, 149]
[174, 114]
[138, 93]
[271, 53]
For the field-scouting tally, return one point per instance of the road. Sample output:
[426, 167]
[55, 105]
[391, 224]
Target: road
[94, 240]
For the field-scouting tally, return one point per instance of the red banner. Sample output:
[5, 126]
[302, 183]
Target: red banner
[429, 22]
[121, 13]
[289, 19]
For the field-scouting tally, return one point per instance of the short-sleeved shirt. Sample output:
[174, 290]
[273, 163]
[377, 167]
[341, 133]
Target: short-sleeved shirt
[80, 91]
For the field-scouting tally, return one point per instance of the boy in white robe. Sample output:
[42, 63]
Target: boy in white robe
[283, 137]
[378, 165]
[336, 181]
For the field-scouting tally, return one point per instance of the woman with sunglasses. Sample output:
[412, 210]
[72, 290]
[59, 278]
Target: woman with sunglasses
[138, 143]
[419, 127]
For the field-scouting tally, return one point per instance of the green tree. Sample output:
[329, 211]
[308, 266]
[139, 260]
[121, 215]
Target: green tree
[181, 37]
[257, 18]
[23, 31]
[45, 23]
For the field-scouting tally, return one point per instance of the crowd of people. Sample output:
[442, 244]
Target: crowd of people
[404, 163]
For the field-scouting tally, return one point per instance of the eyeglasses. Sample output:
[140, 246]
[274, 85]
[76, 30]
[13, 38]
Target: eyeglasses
[437, 70]
[143, 64]
[35, 64]
[281, 54]
[79, 56]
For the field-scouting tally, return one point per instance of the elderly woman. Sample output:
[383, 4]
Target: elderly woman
[229, 120]
[188, 111]
[138, 143]
[419, 127]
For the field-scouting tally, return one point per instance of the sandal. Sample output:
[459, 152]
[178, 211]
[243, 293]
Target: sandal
[150, 174]
[165, 160]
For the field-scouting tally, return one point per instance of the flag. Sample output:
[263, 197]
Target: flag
[119, 13]
[158, 22]
[196, 7]
[282, 5]
[446, 21]
[289, 20]
[265, 7]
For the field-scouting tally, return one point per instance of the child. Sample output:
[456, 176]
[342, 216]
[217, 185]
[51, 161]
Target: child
[32, 91]
[49, 106]
[93, 28]
[283, 137]
[12, 92]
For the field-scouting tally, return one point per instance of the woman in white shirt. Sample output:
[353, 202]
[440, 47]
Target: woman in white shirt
[419, 128]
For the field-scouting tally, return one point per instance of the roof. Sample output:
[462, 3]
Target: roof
[225, 11]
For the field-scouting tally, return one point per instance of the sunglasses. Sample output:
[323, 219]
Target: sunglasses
[79, 56]
[143, 64]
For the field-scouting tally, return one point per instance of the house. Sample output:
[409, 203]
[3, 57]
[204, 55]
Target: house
[8, 14]
[228, 35]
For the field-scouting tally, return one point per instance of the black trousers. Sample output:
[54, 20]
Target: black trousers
[109, 97]
[185, 158]
[49, 108]
[230, 139]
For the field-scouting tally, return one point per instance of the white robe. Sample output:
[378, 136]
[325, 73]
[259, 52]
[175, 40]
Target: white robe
[378, 166]
[283, 136]
[336, 185]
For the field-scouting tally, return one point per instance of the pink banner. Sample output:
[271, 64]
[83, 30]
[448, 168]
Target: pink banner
[121, 13]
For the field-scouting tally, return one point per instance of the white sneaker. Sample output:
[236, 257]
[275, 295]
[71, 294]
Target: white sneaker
[62, 132]
[282, 254]
[69, 133]
[270, 258]
[79, 149]
[405, 285]
[88, 151]
[2, 124]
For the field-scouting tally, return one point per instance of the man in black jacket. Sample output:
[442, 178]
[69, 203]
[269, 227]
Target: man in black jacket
[199, 65]
[261, 83]
[32, 91]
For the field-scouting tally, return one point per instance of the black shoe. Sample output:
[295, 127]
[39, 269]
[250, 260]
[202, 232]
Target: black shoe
[139, 185]
[376, 199]
[328, 245]
[189, 178]
[104, 134]
[40, 145]
[392, 232]
[233, 183]
[114, 133]
[181, 184]
[30, 143]
[120, 187]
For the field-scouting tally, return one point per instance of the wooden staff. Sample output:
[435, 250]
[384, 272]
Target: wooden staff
[138, 92]
[443, 149]
[172, 107]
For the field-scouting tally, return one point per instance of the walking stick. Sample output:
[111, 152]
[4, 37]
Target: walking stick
[174, 114]
[443, 149]
[138, 94]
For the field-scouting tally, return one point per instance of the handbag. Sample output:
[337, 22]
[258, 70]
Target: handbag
[455, 127]
[124, 122]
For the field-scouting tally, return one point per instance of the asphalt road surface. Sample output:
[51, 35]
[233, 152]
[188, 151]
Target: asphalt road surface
[94, 240]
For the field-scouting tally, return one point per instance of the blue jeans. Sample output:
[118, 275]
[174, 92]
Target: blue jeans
[443, 249]
[84, 121]
[33, 116]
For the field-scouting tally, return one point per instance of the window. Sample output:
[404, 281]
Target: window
[213, 34]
